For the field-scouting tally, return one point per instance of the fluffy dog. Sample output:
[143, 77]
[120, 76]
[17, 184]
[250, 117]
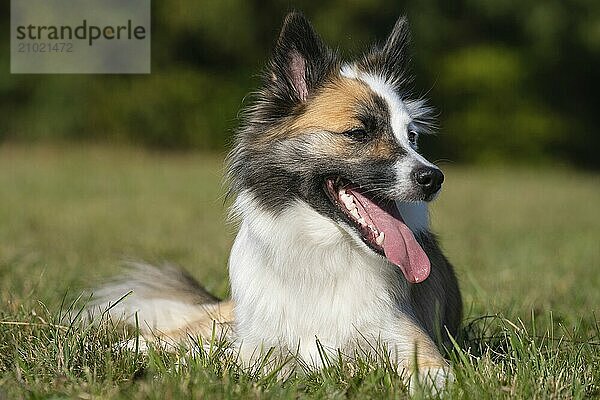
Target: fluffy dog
[331, 197]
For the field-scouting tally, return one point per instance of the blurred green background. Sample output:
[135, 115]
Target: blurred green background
[513, 80]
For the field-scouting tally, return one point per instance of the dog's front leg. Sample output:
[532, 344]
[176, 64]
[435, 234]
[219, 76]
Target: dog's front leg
[417, 356]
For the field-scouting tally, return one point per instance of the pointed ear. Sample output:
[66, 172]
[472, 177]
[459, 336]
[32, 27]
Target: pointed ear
[300, 61]
[393, 58]
[395, 50]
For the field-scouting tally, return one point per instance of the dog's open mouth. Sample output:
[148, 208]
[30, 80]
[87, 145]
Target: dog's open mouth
[381, 227]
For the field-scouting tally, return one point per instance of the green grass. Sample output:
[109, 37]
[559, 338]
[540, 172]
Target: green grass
[525, 243]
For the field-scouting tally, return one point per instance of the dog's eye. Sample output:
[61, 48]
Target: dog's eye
[412, 137]
[357, 134]
[412, 134]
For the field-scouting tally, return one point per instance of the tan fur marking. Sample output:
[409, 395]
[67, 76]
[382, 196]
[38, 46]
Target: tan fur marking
[221, 315]
[333, 109]
[218, 316]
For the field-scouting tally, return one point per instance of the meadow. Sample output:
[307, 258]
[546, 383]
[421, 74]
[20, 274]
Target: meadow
[524, 240]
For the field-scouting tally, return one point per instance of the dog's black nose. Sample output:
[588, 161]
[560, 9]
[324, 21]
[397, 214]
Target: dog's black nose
[429, 179]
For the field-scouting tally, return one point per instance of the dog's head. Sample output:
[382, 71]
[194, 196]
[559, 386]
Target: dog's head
[342, 137]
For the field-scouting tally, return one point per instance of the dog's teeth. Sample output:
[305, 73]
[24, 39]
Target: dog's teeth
[362, 221]
[342, 192]
[349, 203]
[350, 206]
[380, 239]
[354, 213]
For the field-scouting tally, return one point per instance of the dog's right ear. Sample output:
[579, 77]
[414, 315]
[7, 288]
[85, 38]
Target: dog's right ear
[300, 62]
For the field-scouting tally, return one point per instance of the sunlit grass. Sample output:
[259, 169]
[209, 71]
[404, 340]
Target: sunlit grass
[525, 244]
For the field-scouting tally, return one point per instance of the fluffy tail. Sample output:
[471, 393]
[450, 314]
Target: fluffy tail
[163, 302]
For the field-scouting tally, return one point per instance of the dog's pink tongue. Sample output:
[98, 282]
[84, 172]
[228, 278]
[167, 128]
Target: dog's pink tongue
[400, 246]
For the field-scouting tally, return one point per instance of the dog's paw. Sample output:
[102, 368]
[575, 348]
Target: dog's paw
[434, 380]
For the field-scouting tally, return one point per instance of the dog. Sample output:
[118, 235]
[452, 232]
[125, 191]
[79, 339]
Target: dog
[334, 249]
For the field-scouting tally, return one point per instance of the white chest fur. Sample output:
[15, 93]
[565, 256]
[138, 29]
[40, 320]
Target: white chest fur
[299, 276]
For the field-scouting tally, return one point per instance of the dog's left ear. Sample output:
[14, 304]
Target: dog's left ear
[395, 51]
[300, 62]
[392, 59]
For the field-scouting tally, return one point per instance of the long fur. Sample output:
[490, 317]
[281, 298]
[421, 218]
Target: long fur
[299, 271]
